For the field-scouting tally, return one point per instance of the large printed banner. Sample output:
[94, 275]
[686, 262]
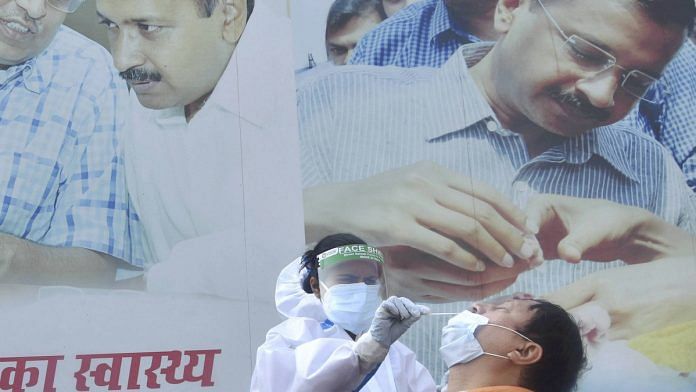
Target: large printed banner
[487, 193]
[487, 171]
[150, 191]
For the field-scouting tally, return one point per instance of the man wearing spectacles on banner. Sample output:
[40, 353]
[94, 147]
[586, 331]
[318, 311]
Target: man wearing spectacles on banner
[63, 209]
[529, 114]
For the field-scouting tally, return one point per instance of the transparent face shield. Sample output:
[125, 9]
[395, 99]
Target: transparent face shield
[351, 264]
[350, 278]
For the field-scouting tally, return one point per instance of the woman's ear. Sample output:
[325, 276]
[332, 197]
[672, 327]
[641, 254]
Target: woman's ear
[526, 353]
[314, 284]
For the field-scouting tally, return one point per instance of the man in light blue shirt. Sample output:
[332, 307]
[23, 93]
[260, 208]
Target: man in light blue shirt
[428, 32]
[437, 165]
[64, 213]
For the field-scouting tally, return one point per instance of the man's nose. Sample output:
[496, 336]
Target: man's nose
[480, 307]
[126, 52]
[36, 9]
[600, 88]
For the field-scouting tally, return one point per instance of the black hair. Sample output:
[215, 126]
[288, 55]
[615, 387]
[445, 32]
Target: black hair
[309, 261]
[563, 357]
[342, 11]
[206, 7]
[670, 12]
[678, 13]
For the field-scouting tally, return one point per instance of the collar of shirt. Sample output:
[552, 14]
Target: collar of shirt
[600, 141]
[443, 26]
[474, 106]
[29, 71]
[34, 70]
[606, 143]
[167, 118]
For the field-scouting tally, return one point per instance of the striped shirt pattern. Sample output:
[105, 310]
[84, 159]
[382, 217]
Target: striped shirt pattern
[359, 121]
[421, 34]
[672, 120]
[61, 173]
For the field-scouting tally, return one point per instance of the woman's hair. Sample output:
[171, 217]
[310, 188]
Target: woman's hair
[310, 264]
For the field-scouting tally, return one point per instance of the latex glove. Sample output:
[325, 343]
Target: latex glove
[393, 318]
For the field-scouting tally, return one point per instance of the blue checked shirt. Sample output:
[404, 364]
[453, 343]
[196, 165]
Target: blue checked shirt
[359, 121]
[61, 173]
[422, 34]
[672, 121]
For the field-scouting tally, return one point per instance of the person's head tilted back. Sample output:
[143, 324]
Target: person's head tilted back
[517, 342]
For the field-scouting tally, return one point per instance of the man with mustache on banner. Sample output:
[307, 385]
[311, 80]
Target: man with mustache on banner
[211, 152]
[64, 210]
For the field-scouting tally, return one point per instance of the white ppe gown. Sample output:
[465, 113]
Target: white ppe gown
[304, 354]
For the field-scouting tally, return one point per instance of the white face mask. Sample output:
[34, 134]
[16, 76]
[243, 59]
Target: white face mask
[351, 306]
[459, 344]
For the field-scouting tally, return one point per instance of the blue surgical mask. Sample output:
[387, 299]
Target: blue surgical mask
[351, 306]
[459, 343]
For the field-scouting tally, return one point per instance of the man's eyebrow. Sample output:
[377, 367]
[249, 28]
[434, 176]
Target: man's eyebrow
[596, 42]
[145, 19]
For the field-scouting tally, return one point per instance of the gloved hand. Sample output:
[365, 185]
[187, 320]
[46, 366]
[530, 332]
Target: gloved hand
[393, 317]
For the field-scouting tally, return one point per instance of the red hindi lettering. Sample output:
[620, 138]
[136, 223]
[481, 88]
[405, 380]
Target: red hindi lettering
[12, 377]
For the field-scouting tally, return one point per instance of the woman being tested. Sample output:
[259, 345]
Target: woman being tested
[354, 347]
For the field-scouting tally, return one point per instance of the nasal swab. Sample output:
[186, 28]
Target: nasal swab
[442, 314]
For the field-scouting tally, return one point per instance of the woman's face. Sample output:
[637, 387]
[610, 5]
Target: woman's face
[347, 272]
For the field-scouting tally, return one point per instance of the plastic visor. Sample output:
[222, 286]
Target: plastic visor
[350, 252]
[351, 264]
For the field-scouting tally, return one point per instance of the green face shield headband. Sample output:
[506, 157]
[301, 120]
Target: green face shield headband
[350, 252]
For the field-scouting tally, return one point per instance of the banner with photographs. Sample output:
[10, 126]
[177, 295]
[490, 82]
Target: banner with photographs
[347, 195]
[151, 191]
[505, 157]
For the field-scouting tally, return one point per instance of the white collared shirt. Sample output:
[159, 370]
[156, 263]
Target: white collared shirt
[195, 179]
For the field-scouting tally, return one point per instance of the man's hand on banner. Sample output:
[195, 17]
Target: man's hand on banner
[639, 298]
[426, 207]
[577, 229]
[423, 277]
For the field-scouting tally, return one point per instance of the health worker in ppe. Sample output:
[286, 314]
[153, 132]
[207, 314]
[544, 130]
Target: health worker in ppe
[351, 345]
[512, 345]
